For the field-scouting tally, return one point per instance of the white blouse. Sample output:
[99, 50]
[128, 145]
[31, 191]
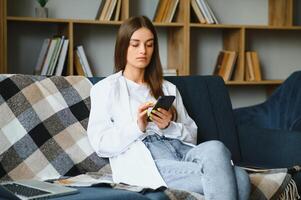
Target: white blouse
[113, 131]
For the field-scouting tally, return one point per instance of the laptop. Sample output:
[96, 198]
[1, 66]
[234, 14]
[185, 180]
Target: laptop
[33, 189]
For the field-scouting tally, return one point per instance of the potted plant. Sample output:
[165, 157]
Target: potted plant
[42, 11]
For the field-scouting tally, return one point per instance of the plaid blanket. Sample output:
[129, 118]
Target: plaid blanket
[276, 184]
[43, 123]
[43, 127]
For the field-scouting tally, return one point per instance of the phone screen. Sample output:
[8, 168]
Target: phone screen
[164, 102]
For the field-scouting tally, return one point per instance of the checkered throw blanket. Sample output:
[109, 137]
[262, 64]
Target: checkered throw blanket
[43, 125]
[274, 184]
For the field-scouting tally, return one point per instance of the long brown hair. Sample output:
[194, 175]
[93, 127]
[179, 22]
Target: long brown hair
[153, 72]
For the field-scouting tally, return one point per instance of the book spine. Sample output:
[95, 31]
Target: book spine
[197, 11]
[62, 58]
[85, 62]
[42, 56]
[48, 57]
[79, 65]
[56, 55]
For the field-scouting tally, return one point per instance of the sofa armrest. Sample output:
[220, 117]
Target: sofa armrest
[269, 147]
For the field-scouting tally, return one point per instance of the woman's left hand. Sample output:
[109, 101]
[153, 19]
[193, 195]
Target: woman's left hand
[161, 117]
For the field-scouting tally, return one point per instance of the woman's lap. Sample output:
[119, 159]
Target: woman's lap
[203, 168]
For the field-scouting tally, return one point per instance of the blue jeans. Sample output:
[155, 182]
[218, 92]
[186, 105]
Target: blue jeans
[205, 169]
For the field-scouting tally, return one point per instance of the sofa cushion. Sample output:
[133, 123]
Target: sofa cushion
[43, 133]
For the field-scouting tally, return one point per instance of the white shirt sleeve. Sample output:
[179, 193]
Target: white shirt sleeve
[108, 137]
[184, 128]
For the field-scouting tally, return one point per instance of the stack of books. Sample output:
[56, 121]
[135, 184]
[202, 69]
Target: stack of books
[225, 64]
[82, 66]
[109, 10]
[203, 12]
[165, 11]
[52, 57]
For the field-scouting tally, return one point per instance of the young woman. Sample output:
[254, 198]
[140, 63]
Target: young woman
[162, 152]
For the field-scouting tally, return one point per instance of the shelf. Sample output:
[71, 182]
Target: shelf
[217, 26]
[34, 19]
[169, 24]
[274, 27]
[198, 25]
[258, 83]
[82, 21]
[53, 20]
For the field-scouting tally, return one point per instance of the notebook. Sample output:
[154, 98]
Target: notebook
[32, 189]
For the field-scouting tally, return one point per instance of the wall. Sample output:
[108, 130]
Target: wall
[279, 50]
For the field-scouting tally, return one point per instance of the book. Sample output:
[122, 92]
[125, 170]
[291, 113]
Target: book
[56, 54]
[62, 58]
[100, 8]
[160, 10]
[170, 11]
[253, 69]
[229, 65]
[79, 68]
[110, 11]
[197, 11]
[218, 63]
[239, 73]
[225, 64]
[84, 61]
[42, 56]
[95, 179]
[50, 53]
[250, 76]
[166, 10]
[117, 11]
[212, 15]
[104, 9]
[204, 10]
[222, 70]
[256, 66]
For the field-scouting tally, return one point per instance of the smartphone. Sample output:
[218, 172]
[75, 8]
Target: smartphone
[164, 102]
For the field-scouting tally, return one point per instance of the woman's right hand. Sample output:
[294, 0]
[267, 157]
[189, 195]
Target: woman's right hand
[142, 115]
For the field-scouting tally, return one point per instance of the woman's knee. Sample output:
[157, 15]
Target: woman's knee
[210, 151]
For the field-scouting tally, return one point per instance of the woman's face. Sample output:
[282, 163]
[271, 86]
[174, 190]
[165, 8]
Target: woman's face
[141, 48]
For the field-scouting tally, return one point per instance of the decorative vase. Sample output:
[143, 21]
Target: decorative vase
[41, 12]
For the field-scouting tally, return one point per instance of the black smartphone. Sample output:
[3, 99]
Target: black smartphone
[164, 102]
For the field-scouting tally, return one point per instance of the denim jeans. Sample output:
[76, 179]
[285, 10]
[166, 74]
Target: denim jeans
[205, 168]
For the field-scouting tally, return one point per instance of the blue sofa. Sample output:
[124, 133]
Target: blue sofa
[207, 101]
[270, 132]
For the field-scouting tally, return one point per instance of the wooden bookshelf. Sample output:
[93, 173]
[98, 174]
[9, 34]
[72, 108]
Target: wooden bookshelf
[176, 31]
[236, 37]
[180, 45]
